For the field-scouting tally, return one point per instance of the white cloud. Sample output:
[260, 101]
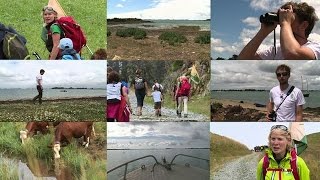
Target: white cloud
[171, 9]
[119, 6]
[252, 21]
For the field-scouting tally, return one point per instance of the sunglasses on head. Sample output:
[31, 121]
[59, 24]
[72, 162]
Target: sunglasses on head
[282, 127]
[282, 74]
[48, 8]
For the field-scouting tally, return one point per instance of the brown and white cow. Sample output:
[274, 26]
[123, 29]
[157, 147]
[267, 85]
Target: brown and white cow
[65, 131]
[32, 128]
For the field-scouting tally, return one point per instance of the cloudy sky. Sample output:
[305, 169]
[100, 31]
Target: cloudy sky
[234, 23]
[22, 74]
[159, 9]
[261, 74]
[253, 133]
[157, 135]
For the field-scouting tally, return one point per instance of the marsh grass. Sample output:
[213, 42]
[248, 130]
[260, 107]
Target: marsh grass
[84, 163]
[8, 169]
[26, 18]
[56, 110]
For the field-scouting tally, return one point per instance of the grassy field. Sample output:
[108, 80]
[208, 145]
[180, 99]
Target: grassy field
[312, 155]
[224, 150]
[82, 163]
[91, 109]
[193, 104]
[26, 18]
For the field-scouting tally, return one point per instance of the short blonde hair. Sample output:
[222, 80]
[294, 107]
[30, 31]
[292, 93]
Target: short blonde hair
[284, 133]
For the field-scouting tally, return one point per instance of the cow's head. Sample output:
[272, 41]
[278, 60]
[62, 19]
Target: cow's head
[23, 135]
[56, 149]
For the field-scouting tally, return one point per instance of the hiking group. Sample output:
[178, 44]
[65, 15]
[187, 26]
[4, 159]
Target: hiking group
[63, 38]
[118, 103]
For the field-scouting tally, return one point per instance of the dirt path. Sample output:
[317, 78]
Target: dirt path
[242, 168]
[167, 114]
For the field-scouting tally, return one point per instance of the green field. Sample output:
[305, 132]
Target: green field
[84, 109]
[26, 18]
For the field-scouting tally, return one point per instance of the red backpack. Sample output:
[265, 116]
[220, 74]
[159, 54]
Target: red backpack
[72, 30]
[293, 164]
[184, 89]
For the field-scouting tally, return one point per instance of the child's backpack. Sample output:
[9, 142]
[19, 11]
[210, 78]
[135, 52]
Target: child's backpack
[13, 45]
[138, 83]
[72, 30]
[70, 54]
[293, 164]
[184, 88]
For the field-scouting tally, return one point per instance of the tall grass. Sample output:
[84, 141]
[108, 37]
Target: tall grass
[81, 161]
[26, 18]
[312, 155]
[8, 169]
[224, 150]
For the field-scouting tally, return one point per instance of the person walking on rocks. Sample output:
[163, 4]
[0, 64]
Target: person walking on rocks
[39, 87]
[183, 95]
[140, 87]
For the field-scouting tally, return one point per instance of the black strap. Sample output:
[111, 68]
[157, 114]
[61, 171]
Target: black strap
[288, 93]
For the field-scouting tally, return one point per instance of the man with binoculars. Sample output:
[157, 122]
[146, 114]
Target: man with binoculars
[296, 22]
[286, 101]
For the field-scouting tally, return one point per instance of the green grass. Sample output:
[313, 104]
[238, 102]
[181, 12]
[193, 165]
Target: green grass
[193, 104]
[173, 38]
[26, 18]
[312, 155]
[203, 38]
[8, 169]
[56, 110]
[128, 32]
[84, 163]
[224, 150]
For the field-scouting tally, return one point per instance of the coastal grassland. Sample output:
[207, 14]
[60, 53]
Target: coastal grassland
[197, 104]
[312, 155]
[153, 48]
[82, 109]
[224, 150]
[26, 18]
[84, 163]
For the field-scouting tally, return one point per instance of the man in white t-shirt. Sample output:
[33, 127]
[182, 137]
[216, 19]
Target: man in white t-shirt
[39, 87]
[296, 22]
[286, 106]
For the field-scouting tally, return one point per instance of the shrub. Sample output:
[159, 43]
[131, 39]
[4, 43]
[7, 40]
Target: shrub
[203, 38]
[172, 38]
[108, 33]
[135, 32]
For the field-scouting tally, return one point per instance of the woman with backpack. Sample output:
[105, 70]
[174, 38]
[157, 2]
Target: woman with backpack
[118, 105]
[51, 32]
[281, 161]
[183, 95]
[140, 89]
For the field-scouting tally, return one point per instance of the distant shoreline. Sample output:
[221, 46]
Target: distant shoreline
[53, 99]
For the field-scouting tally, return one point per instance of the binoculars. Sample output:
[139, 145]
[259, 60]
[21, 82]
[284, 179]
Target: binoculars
[269, 18]
[272, 116]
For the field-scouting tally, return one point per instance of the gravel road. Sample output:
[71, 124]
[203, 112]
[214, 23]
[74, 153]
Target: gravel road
[241, 168]
[167, 114]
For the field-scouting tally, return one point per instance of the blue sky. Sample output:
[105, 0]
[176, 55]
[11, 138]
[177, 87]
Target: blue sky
[22, 74]
[158, 135]
[159, 9]
[253, 133]
[234, 23]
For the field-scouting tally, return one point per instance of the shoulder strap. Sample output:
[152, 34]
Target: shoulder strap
[293, 163]
[288, 93]
[265, 165]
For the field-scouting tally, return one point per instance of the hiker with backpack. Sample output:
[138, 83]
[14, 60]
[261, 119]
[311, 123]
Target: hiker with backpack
[55, 29]
[281, 161]
[157, 98]
[286, 101]
[118, 104]
[183, 94]
[140, 88]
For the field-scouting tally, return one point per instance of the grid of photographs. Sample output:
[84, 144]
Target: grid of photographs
[163, 90]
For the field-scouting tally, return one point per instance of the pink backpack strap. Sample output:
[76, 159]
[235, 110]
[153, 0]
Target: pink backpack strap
[265, 165]
[293, 163]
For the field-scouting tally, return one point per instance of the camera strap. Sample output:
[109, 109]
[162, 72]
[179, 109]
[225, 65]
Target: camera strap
[288, 93]
[274, 43]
